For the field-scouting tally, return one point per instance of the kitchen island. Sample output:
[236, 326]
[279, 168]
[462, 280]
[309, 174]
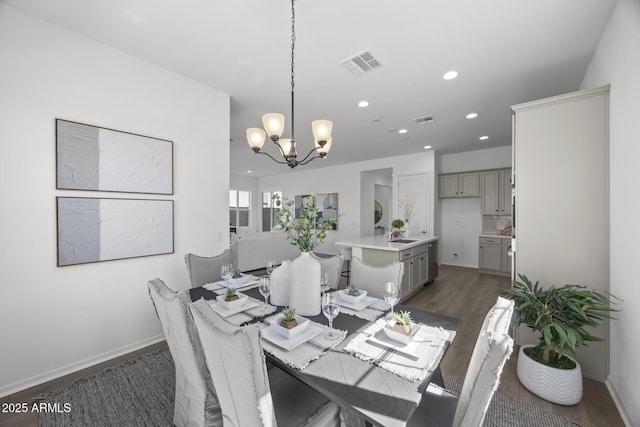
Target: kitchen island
[419, 255]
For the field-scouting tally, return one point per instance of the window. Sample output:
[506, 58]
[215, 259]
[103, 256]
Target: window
[239, 208]
[269, 210]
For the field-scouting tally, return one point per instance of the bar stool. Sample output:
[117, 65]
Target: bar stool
[346, 254]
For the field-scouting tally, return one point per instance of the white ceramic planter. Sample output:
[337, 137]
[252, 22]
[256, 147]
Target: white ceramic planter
[561, 386]
[280, 284]
[304, 285]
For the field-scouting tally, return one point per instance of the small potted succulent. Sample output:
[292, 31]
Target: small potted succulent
[353, 290]
[397, 228]
[288, 324]
[352, 295]
[289, 318]
[231, 295]
[402, 322]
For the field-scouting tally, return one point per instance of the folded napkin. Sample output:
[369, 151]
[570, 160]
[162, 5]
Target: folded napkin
[213, 286]
[301, 356]
[393, 360]
[220, 286]
[369, 313]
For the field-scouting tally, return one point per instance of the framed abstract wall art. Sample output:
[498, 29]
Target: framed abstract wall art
[96, 229]
[327, 206]
[99, 159]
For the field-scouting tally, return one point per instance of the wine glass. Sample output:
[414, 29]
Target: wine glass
[271, 266]
[391, 294]
[324, 282]
[226, 271]
[330, 309]
[264, 286]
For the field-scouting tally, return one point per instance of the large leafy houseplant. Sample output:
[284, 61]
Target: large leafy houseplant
[307, 231]
[560, 315]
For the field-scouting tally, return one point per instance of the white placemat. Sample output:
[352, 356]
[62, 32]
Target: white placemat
[370, 313]
[301, 356]
[393, 360]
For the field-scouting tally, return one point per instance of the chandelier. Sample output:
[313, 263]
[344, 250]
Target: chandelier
[274, 124]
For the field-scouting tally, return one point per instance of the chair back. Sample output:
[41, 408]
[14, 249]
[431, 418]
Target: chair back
[372, 279]
[493, 348]
[332, 266]
[237, 364]
[196, 403]
[206, 269]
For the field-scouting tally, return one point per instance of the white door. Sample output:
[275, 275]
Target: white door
[412, 196]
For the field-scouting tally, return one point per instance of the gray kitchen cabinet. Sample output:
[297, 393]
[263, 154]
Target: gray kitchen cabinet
[494, 255]
[495, 192]
[459, 185]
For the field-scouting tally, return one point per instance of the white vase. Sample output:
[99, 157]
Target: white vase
[561, 386]
[304, 285]
[280, 284]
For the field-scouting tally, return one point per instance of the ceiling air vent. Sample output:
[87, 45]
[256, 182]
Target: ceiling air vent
[361, 63]
[424, 120]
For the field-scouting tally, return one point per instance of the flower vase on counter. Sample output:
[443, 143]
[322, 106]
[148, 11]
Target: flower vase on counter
[304, 285]
[280, 284]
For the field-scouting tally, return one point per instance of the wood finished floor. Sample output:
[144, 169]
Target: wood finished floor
[460, 292]
[468, 295]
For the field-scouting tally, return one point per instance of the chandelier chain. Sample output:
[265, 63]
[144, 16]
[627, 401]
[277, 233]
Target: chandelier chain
[293, 74]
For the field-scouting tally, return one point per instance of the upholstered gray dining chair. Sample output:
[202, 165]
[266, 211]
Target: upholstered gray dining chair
[332, 266]
[249, 395]
[196, 403]
[372, 279]
[206, 269]
[493, 347]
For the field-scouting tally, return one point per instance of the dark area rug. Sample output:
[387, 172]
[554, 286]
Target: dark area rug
[140, 393]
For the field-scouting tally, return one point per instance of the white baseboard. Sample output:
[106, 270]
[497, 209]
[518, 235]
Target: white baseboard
[618, 402]
[53, 374]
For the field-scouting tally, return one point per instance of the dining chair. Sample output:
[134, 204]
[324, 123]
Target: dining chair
[249, 394]
[206, 269]
[372, 279]
[196, 403]
[493, 347]
[332, 266]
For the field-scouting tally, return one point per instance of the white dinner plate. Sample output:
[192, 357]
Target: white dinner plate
[274, 337]
[225, 312]
[414, 349]
[361, 305]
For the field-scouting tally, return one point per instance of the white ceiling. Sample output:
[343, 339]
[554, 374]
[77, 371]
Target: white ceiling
[506, 52]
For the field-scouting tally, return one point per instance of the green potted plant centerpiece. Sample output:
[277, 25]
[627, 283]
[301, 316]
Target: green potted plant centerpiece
[305, 229]
[397, 228]
[561, 316]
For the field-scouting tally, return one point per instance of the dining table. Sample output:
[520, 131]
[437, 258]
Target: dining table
[365, 391]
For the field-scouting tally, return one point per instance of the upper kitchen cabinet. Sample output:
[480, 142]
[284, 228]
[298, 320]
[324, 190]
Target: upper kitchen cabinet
[460, 185]
[495, 191]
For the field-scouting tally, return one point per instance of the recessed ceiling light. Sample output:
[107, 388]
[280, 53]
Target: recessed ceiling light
[376, 119]
[363, 104]
[472, 115]
[402, 131]
[483, 138]
[450, 75]
[427, 147]
[249, 171]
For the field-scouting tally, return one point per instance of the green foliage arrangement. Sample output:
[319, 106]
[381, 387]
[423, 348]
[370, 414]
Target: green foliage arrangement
[305, 232]
[397, 223]
[560, 315]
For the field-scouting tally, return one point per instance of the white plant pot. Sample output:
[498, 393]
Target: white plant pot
[304, 285]
[561, 386]
[280, 284]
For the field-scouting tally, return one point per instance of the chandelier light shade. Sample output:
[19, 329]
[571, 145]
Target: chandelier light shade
[273, 125]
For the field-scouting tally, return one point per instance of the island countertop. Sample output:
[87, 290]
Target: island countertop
[381, 243]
